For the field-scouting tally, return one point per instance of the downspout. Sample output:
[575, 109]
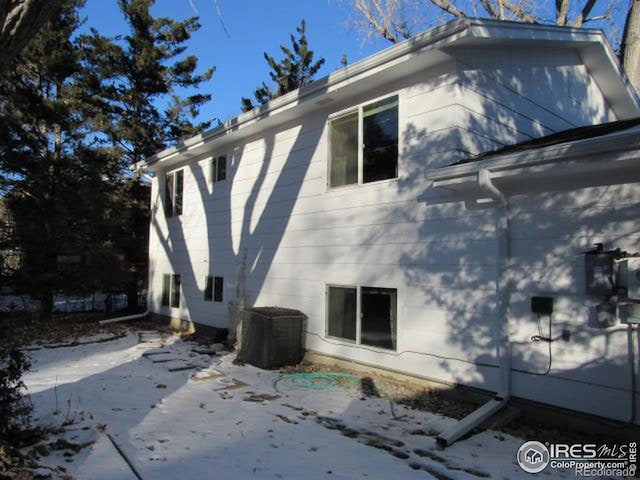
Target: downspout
[124, 319]
[503, 289]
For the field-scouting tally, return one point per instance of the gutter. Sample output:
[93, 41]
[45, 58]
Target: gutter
[320, 86]
[473, 28]
[503, 291]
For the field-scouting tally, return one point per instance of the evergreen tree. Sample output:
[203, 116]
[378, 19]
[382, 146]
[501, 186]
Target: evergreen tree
[131, 78]
[295, 70]
[53, 174]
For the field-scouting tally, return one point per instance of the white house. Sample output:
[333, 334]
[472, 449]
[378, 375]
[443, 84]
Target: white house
[361, 200]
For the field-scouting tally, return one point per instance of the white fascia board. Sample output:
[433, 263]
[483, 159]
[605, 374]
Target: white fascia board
[607, 149]
[592, 45]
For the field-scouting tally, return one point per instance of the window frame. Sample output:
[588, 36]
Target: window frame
[208, 288]
[174, 294]
[214, 170]
[358, 341]
[173, 178]
[327, 309]
[218, 295]
[211, 292]
[360, 110]
[169, 293]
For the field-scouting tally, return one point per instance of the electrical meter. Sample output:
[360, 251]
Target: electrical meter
[599, 271]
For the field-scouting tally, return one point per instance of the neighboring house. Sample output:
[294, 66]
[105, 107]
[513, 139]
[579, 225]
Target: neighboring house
[358, 201]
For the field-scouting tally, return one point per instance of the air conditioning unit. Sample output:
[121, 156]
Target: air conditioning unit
[633, 278]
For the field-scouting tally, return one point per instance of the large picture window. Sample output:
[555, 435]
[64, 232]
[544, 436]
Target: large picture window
[173, 193]
[365, 315]
[367, 150]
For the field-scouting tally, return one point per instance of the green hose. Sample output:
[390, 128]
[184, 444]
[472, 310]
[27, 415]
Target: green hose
[326, 381]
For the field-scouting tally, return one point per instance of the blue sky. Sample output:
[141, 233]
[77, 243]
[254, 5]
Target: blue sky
[254, 26]
[257, 26]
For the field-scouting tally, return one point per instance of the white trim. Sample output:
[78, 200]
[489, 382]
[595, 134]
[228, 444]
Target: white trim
[614, 145]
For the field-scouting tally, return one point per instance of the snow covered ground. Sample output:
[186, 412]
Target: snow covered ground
[179, 414]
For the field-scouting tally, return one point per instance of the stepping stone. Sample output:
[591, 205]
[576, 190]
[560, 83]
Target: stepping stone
[146, 345]
[185, 367]
[180, 364]
[163, 360]
[160, 351]
[228, 384]
[208, 374]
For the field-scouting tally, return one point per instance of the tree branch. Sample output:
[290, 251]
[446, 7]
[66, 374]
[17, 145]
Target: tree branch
[519, 11]
[448, 7]
[381, 26]
[582, 17]
[562, 9]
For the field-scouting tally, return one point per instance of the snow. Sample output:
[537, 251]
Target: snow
[212, 418]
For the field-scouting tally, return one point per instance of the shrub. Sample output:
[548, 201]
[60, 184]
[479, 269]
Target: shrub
[15, 407]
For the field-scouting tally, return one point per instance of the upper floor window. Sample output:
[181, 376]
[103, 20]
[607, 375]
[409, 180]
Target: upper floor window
[363, 144]
[173, 193]
[219, 168]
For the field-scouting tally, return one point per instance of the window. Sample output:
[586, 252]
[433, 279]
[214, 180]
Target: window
[219, 168]
[173, 193]
[213, 289]
[217, 290]
[378, 317]
[175, 291]
[365, 315]
[380, 140]
[343, 143]
[208, 289]
[377, 135]
[171, 290]
[342, 307]
[166, 289]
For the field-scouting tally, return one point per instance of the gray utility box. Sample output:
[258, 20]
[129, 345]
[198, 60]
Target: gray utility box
[272, 337]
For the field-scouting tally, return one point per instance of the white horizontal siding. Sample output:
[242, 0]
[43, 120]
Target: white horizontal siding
[298, 236]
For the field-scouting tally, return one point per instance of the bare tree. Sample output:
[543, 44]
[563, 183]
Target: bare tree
[20, 20]
[387, 18]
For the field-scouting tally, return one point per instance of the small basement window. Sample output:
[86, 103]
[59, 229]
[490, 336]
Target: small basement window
[378, 317]
[170, 290]
[208, 289]
[175, 291]
[363, 144]
[218, 284]
[219, 168]
[365, 315]
[166, 289]
[173, 193]
[342, 311]
[213, 289]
